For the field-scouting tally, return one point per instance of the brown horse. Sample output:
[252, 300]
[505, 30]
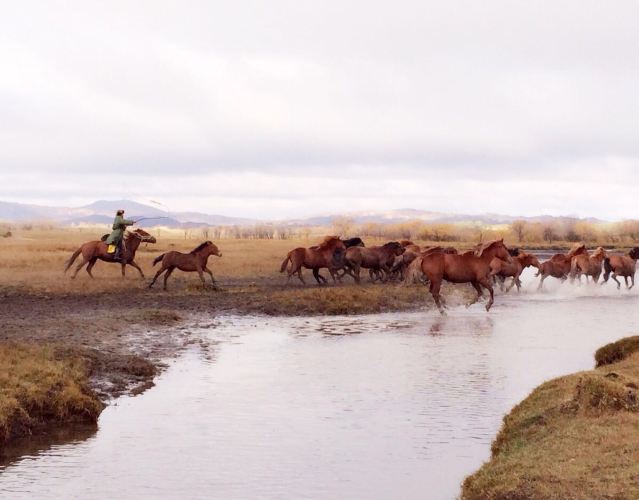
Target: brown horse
[503, 269]
[92, 251]
[408, 265]
[559, 265]
[329, 254]
[470, 267]
[621, 265]
[378, 259]
[588, 265]
[194, 261]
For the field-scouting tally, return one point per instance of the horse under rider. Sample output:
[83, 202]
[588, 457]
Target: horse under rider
[116, 237]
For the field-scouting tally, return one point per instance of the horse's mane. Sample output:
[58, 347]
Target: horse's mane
[328, 242]
[132, 234]
[392, 244]
[199, 247]
[487, 246]
[577, 249]
[599, 251]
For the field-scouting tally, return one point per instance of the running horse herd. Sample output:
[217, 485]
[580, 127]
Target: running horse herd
[483, 266]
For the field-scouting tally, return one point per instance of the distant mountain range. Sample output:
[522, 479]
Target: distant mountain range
[102, 212]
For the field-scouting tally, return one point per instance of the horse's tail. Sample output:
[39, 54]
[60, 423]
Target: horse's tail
[158, 258]
[68, 263]
[285, 263]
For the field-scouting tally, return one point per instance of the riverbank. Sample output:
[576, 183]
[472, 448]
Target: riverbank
[573, 437]
[116, 334]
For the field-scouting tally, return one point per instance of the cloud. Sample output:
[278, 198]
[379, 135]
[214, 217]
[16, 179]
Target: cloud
[442, 92]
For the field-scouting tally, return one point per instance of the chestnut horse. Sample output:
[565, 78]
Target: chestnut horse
[92, 251]
[329, 254]
[194, 261]
[378, 259]
[503, 269]
[588, 265]
[621, 265]
[409, 265]
[559, 265]
[470, 267]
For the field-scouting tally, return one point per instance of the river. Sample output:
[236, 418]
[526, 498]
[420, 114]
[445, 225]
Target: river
[400, 405]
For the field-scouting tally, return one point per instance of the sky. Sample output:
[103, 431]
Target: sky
[284, 109]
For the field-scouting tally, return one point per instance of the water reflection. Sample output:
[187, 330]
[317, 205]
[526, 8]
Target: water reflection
[32, 447]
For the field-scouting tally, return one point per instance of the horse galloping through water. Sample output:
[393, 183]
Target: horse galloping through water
[588, 265]
[328, 254]
[502, 269]
[92, 251]
[469, 267]
[559, 265]
[621, 265]
[194, 261]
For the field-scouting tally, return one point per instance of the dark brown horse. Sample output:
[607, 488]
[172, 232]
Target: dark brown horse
[194, 261]
[470, 267]
[559, 265]
[377, 259]
[621, 265]
[328, 254]
[92, 251]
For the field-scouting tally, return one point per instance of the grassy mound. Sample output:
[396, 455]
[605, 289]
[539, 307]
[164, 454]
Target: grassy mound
[36, 388]
[617, 351]
[573, 437]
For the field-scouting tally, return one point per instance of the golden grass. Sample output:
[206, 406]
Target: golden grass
[37, 387]
[573, 437]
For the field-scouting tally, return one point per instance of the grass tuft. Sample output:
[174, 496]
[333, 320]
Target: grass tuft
[617, 351]
[37, 388]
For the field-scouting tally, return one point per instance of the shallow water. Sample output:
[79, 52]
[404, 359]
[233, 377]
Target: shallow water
[385, 406]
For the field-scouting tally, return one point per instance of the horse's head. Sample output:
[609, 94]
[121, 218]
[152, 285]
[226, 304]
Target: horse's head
[495, 249]
[353, 242]
[207, 248]
[634, 253]
[527, 259]
[143, 236]
[394, 247]
[577, 249]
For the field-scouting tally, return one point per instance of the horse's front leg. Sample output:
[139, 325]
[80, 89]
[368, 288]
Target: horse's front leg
[208, 271]
[201, 275]
[318, 277]
[123, 266]
[135, 265]
[488, 286]
[480, 294]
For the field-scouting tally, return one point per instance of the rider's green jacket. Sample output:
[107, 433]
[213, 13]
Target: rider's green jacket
[119, 226]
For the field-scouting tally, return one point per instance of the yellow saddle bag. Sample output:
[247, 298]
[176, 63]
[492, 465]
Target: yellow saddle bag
[111, 248]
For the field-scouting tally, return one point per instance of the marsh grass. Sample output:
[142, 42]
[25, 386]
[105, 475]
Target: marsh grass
[573, 437]
[37, 387]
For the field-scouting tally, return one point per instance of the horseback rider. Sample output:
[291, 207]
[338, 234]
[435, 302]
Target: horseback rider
[116, 237]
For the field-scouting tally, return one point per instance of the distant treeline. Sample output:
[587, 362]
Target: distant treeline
[518, 232]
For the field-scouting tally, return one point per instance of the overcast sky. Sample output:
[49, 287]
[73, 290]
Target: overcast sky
[282, 109]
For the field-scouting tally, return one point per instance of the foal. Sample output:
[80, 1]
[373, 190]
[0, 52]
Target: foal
[194, 261]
